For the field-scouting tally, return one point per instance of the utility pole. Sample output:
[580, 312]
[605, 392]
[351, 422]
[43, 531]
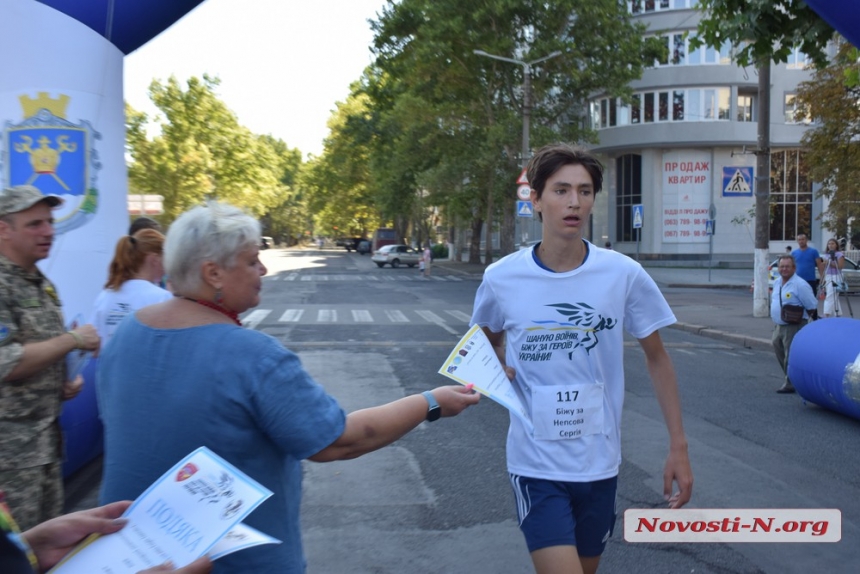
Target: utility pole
[508, 211]
[761, 300]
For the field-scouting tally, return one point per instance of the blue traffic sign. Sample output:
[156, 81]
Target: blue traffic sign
[710, 226]
[638, 216]
[524, 209]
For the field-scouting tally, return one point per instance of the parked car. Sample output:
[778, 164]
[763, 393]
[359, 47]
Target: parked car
[363, 246]
[396, 255]
[352, 243]
[851, 274]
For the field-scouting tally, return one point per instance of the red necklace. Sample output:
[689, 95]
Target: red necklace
[232, 314]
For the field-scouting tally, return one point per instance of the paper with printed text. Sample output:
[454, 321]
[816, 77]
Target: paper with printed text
[474, 361]
[194, 509]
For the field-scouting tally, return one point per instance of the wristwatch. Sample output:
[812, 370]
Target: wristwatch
[434, 411]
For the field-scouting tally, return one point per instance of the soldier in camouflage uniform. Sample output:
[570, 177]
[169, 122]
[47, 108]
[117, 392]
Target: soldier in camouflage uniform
[33, 347]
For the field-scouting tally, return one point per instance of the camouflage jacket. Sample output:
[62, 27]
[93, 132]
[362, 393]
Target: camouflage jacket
[29, 407]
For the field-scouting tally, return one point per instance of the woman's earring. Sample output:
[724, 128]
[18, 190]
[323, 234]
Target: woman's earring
[219, 297]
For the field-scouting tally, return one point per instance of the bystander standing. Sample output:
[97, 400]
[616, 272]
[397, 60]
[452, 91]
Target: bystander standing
[33, 345]
[806, 260]
[792, 303]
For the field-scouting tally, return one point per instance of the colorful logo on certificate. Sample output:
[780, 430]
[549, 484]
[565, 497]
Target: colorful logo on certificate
[54, 155]
[186, 472]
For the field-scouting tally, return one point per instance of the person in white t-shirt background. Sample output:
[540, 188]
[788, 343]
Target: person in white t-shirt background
[134, 273]
[427, 258]
[555, 315]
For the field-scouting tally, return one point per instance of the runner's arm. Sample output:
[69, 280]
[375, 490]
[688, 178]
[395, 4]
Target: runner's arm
[665, 384]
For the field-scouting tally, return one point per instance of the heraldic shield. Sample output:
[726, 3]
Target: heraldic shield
[56, 156]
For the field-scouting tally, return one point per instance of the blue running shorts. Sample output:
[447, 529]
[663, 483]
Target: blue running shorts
[553, 513]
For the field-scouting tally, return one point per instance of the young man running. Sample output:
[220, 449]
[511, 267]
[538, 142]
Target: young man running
[556, 315]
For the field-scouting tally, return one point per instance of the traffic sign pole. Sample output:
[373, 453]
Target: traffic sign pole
[638, 216]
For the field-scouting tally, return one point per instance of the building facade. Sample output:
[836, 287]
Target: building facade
[684, 151]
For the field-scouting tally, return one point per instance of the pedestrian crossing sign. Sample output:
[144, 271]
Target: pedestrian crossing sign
[738, 181]
[524, 209]
[637, 216]
[709, 226]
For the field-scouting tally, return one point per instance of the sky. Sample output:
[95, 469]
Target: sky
[283, 64]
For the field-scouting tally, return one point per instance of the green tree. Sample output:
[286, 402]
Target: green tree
[337, 181]
[202, 152]
[474, 103]
[287, 221]
[833, 143]
[764, 30]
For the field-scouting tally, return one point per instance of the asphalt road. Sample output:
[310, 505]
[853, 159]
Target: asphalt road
[438, 500]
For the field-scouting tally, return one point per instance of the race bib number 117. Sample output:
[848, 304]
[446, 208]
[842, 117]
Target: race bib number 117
[564, 412]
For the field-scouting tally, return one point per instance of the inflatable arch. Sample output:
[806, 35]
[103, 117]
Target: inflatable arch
[62, 129]
[824, 364]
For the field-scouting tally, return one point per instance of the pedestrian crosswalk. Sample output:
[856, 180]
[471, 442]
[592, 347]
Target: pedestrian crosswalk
[449, 319]
[395, 276]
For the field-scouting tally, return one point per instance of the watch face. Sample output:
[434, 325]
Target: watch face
[434, 413]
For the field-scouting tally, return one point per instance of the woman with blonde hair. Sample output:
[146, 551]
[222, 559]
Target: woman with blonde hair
[132, 283]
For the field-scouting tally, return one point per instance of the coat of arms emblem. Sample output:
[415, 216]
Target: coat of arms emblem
[56, 156]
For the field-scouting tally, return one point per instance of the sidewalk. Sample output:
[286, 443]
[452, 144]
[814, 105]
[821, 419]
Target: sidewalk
[716, 303]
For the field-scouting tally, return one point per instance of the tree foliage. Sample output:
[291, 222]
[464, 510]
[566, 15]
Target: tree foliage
[337, 181]
[833, 143]
[764, 30]
[458, 115]
[202, 152]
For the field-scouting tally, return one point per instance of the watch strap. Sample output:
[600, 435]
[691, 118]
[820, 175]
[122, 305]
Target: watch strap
[434, 411]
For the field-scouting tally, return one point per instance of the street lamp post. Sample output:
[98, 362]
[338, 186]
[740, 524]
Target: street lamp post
[527, 102]
[527, 92]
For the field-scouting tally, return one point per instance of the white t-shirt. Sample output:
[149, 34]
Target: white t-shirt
[111, 306]
[564, 337]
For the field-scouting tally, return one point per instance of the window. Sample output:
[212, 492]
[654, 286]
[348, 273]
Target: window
[791, 195]
[679, 53]
[663, 98]
[648, 6]
[628, 179]
[694, 105]
[678, 105]
[649, 107]
[723, 106]
[710, 97]
[791, 111]
[707, 104]
[679, 49]
[797, 60]
[667, 51]
[746, 108]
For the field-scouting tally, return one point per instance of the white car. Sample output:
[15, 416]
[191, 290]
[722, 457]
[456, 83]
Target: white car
[396, 255]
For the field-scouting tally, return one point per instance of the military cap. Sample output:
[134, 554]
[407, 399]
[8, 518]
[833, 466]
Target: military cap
[21, 197]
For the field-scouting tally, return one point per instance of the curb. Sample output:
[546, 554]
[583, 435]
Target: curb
[741, 340]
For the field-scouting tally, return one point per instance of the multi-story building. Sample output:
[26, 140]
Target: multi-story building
[684, 151]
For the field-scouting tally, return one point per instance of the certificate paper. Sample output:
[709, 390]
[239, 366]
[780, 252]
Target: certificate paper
[474, 361]
[181, 517]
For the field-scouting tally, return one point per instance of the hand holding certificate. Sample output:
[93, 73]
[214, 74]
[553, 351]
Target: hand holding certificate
[474, 361]
[194, 509]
